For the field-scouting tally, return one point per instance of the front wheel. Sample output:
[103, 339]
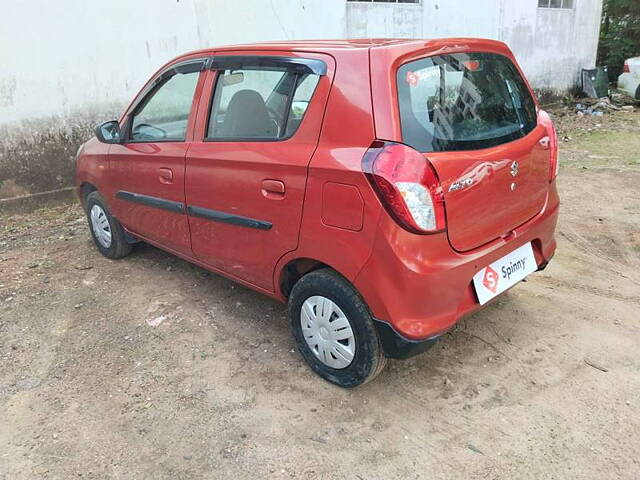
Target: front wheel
[107, 233]
[333, 329]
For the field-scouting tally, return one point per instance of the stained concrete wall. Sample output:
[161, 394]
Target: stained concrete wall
[57, 57]
[66, 65]
[552, 45]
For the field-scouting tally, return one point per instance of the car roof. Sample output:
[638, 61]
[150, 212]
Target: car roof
[319, 46]
[333, 43]
[342, 45]
[390, 47]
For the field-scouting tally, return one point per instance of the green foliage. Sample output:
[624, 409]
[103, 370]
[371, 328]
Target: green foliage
[619, 33]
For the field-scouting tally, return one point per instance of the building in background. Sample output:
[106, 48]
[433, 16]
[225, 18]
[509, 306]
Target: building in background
[65, 65]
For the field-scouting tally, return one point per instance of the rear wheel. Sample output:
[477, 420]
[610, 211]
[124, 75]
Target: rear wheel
[333, 329]
[638, 93]
[106, 231]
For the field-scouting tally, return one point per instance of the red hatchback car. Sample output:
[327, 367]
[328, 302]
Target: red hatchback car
[384, 188]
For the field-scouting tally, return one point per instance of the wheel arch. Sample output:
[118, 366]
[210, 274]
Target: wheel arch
[85, 189]
[295, 269]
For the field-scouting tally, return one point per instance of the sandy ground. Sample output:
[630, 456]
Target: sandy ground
[543, 383]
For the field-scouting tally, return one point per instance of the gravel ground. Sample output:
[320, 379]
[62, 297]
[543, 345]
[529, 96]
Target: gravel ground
[150, 367]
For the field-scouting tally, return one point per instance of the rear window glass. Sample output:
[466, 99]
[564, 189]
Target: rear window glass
[463, 102]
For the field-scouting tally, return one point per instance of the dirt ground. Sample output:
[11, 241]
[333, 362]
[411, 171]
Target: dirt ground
[151, 368]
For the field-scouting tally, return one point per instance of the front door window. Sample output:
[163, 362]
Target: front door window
[165, 114]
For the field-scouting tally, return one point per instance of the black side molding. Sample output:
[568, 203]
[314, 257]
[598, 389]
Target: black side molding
[224, 217]
[177, 207]
[397, 346]
[149, 201]
[265, 62]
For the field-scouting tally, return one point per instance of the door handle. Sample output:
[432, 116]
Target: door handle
[166, 176]
[273, 189]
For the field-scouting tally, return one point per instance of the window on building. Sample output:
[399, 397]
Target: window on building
[555, 4]
[386, 1]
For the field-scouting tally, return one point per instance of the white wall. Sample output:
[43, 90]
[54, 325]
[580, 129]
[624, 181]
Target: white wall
[58, 57]
[61, 56]
[67, 64]
[552, 45]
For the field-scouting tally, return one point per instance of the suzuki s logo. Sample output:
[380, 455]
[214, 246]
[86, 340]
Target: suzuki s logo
[514, 169]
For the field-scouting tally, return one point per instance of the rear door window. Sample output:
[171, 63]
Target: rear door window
[300, 102]
[463, 102]
[255, 104]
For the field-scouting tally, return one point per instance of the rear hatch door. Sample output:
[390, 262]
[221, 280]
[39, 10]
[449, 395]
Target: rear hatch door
[474, 118]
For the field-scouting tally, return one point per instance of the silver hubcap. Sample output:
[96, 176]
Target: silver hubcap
[100, 226]
[328, 332]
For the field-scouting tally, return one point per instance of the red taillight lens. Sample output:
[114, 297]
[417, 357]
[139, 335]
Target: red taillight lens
[626, 68]
[407, 186]
[554, 162]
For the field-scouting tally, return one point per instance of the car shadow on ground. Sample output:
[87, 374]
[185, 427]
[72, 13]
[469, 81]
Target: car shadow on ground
[462, 341]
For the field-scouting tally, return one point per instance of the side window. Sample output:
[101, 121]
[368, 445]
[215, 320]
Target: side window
[301, 98]
[253, 104]
[164, 116]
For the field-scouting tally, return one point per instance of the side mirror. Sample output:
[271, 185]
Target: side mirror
[108, 132]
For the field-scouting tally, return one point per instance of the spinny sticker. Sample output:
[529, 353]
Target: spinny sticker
[412, 79]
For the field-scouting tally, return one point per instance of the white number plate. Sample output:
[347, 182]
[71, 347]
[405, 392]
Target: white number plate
[504, 273]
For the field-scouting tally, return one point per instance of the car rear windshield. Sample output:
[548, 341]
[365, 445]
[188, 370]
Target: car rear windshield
[463, 101]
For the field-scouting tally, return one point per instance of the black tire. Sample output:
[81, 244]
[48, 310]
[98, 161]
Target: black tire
[638, 93]
[119, 246]
[369, 359]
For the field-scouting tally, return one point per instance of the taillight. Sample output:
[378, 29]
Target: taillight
[554, 162]
[407, 186]
[626, 68]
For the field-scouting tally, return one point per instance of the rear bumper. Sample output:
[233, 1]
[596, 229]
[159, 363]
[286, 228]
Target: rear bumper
[420, 287]
[395, 345]
[399, 347]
